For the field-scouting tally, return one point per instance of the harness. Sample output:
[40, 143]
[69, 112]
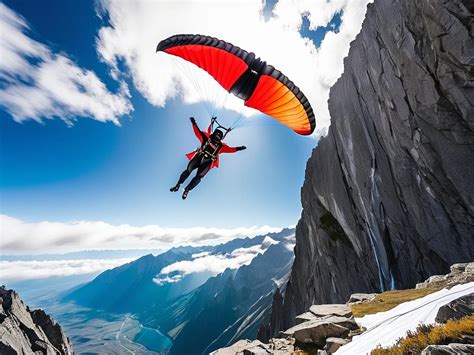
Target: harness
[210, 150]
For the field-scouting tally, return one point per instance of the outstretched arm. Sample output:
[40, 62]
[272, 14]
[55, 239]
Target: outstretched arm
[199, 134]
[226, 149]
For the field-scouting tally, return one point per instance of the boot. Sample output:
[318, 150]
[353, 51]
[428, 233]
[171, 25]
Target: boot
[175, 188]
[185, 194]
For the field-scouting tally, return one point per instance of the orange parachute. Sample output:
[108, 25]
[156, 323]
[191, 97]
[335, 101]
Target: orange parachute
[260, 85]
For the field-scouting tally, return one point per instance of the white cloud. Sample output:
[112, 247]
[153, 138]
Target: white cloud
[30, 270]
[38, 83]
[136, 27]
[212, 263]
[167, 279]
[200, 255]
[20, 237]
[290, 246]
[215, 263]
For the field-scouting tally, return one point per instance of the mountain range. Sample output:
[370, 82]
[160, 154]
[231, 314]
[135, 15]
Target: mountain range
[231, 304]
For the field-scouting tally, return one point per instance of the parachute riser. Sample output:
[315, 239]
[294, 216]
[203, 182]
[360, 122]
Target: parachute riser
[214, 121]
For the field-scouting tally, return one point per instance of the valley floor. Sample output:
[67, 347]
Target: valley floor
[97, 332]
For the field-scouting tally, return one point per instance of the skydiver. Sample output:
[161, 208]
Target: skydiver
[203, 158]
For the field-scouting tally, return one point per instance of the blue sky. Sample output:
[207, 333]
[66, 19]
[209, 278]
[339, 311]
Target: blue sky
[93, 170]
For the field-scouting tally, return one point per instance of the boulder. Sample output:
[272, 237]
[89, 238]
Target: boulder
[282, 345]
[239, 347]
[305, 317]
[459, 308]
[448, 349]
[460, 273]
[341, 310]
[469, 269]
[436, 278]
[332, 344]
[317, 334]
[257, 350]
[318, 330]
[256, 347]
[457, 268]
[361, 297]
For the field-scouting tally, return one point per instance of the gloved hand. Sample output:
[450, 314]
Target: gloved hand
[243, 147]
[193, 120]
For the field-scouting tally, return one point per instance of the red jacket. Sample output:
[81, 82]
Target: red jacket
[205, 135]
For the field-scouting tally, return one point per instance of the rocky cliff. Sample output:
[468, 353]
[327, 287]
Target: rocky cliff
[25, 332]
[389, 192]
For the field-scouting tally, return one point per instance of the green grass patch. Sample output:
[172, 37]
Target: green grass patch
[390, 299]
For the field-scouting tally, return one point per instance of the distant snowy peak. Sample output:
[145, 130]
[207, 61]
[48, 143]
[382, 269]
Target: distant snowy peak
[267, 241]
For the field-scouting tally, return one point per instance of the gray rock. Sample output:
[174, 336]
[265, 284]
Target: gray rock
[460, 273]
[436, 278]
[448, 349]
[361, 297]
[469, 270]
[305, 317]
[318, 330]
[421, 285]
[26, 332]
[460, 267]
[332, 344]
[255, 347]
[282, 346]
[459, 308]
[238, 347]
[341, 310]
[257, 350]
[376, 216]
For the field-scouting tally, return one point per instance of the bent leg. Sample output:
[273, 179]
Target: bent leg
[193, 164]
[202, 171]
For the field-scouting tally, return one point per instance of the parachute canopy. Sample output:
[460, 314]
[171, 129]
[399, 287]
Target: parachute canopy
[260, 85]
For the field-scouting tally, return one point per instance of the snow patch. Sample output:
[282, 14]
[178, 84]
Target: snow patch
[385, 328]
[267, 241]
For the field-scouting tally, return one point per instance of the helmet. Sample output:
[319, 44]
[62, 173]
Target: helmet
[217, 135]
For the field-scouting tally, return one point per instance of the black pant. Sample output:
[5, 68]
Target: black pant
[202, 164]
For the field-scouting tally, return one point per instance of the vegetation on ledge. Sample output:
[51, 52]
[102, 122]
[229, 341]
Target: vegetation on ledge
[390, 299]
[424, 335]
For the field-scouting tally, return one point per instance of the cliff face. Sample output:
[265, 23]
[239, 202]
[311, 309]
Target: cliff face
[26, 332]
[389, 192]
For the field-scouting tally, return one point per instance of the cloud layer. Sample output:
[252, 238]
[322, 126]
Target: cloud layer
[19, 237]
[37, 83]
[212, 263]
[30, 270]
[135, 29]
